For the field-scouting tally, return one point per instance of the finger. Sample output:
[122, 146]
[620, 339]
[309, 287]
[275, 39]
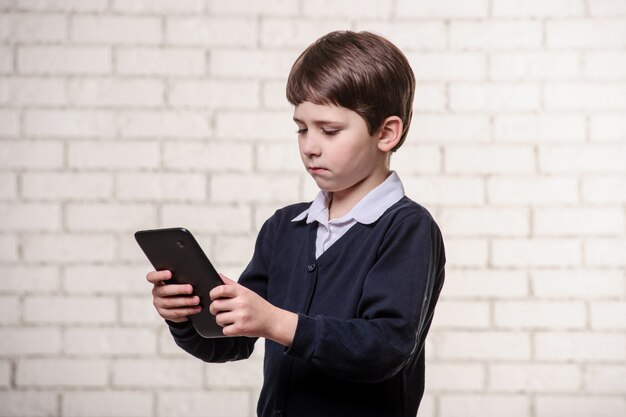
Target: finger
[219, 306]
[176, 302]
[172, 290]
[223, 291]
[157, 277]
[178, 313]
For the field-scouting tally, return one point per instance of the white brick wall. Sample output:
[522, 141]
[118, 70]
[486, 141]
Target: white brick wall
[117, 115]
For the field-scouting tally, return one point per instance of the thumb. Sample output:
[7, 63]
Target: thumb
[227, 281]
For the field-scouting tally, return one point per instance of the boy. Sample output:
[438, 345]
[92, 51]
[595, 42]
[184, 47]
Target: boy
[343, 289]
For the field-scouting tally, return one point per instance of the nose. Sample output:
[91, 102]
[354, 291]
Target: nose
[309, 146]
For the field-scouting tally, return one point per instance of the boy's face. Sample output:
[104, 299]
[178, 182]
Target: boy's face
[336, 147]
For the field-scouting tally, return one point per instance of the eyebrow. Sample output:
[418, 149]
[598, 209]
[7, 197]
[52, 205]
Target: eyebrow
[319, 122]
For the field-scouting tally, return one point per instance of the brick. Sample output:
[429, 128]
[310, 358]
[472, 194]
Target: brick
[347, 8]
[251, 63]
[60, 310]
[8, 186]
[454, 377]
[26, 341]
[474, 222]
[579, 406]
[604, 189]
[273, 95]
[67, 60]
[8, 248]
[534, 65]
[430, 97]
[268, 154]
[25, 28]
[234, 249]
[160, 186]
[72, 186]
[9, 123]
[449, 128]
[112, 155]
[26, 91]
[586, 33]
[28, 403]
[533, 190]
[210, 94]
[62, 5]
[483, 345]
[608, 315]
[466, 252]
[579, 347]
[536, 253]
[61, 372]
[158, 6]
[541, 378]
[235, 375]
[462, 315]
[255, 125]
[9, 310]
[474, 405]
[168, 124]
[447, 191]
[6, 60]
[605, 252]
[181, 373]
[538, 8]
[414, 35]
[218, 219]
[416, 159]
[605, 65]
[582, 159]
[484, 283]
[109, 342]
[494, 159]
[30, 154]
[67, 249]
[113, 403]
[427, 405]
[30, 217]
[160, 61]
[444, 9]
[540, 128]
[113, 30]
[203, 403]
[585, 96]
[41, 279]
[5, 375]
[211, 32]
[578, 221]
[69, 123]
[605, 379]
[167, 348]
[252, 7]
[607, 127]
[495, 34]
[540, 314]
[608, 8]
[258, 188]
[140, 310]
[104, 217]
[105, 279]
[448, 66]
[577, 283]
[208, 157]
[289, 33]
[494, 97]
[115, 92]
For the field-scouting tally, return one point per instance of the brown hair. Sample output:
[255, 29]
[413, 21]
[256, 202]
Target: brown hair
[360, 71]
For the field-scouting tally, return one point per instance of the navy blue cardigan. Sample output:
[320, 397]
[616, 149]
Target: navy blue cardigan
[364, 306]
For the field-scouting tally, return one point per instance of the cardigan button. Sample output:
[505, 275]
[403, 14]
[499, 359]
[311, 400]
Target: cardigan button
[311, 267]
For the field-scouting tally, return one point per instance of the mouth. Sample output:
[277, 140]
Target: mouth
[316, 170]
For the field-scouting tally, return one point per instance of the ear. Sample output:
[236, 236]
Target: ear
[389, 133]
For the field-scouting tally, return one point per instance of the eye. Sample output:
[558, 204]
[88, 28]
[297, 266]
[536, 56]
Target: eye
[301, 131]
[330, 132]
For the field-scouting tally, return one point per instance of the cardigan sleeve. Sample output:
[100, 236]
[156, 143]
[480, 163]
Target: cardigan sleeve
[394, 312]
[254, 277]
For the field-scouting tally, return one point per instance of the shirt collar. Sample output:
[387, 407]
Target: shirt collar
[366, 211]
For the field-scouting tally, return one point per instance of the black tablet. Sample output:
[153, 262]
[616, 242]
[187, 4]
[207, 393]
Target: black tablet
[177, 250]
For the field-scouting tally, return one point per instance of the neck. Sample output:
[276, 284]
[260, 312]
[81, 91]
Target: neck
[343, 201]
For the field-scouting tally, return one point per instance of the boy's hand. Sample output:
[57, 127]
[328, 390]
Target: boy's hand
[242, 312]
[173, 302]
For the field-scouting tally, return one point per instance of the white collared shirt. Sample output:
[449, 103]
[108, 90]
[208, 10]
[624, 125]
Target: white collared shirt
[366, 211]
